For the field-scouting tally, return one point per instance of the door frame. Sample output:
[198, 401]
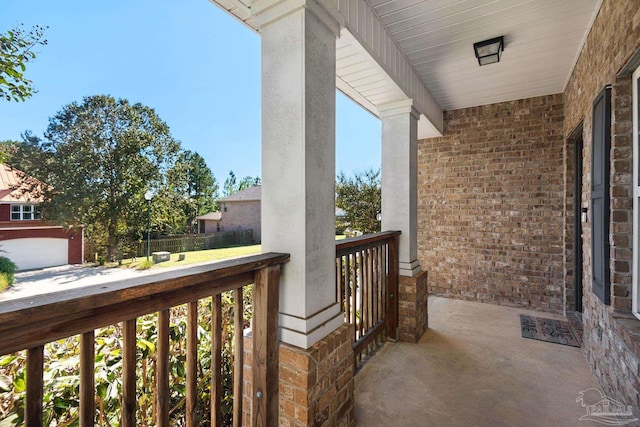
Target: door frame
[576, 139]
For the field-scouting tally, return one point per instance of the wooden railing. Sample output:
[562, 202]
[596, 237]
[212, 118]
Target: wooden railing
[30, 323]
[367, 289]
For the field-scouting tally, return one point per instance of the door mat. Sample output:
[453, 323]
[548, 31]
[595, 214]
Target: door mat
[549, 330]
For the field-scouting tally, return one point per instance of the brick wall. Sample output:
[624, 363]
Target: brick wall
[242, 215]
[491, 203]
[609, 343]
[315, 385]
[413, 316]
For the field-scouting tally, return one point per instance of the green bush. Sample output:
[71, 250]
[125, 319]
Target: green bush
[145, 265]
[4, 282]
[62, 381]
[8, 268]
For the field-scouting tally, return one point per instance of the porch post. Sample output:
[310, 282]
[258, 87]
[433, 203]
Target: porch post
[399, 211]
[298, 162]
[400, 180]
[298, 208]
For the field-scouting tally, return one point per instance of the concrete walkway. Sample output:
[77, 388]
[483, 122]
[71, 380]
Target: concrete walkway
[53, 279]
[473, 368]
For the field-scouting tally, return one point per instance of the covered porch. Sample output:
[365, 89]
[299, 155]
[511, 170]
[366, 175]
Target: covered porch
[487, 176]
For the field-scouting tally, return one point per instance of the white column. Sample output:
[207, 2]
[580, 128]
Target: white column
[400, 180]
[298, 162]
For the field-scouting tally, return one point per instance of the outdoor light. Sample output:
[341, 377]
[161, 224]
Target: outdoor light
[147, 196]
[489, 51]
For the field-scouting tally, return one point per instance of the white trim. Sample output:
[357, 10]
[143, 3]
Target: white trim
[27, 227]
[306, 326]
[306, 340]
[635, 307]
[581, 46]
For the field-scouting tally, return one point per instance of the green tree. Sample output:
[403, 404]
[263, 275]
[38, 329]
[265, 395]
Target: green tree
[248, 182]
[17, 48]
[360, 199]
[103, 155]
[26, 155]
[6, 150]
[195, 185]
[231, 184]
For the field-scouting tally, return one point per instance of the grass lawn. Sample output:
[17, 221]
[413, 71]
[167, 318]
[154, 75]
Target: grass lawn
[198, 256]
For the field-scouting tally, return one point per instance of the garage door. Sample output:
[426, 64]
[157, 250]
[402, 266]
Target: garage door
[36, 252]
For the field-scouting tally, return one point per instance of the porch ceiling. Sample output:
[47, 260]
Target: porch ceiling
[543, 39]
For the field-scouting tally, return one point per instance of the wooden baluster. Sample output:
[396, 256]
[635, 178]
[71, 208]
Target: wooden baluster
[265, 347]
[216, 360]
[238, 331]
[129, 373]
[87, 379]
[347, 289]
[374, 287]
[364, 310]
[192, 362]
[385, 284]
[339, 282]
[33, 405]
[363, 294]
[354, 301]
[370, 291]
[393, 288]
[162, 370]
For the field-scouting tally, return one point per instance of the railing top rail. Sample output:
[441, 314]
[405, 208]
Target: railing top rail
[39, 319]
[362, 242]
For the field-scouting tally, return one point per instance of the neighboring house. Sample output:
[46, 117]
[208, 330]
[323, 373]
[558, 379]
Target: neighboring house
[240, 211]
[209, 223]
[25, 238]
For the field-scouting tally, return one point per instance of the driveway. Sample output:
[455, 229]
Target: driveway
[35, 282]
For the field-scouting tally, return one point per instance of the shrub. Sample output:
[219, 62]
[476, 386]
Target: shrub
[61, 378]
[8, 268]
[145, 265]
[4, 282]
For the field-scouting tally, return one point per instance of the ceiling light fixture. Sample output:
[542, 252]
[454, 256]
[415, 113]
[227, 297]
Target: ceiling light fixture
[489, 51]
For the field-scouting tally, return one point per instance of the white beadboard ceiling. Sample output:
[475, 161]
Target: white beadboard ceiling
[543, 39]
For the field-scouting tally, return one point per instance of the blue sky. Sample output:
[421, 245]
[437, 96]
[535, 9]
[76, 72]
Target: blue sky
[194, 64]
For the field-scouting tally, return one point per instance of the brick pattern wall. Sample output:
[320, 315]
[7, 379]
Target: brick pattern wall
[316, 385]
[491, 204]
[242, 215]
[608, 346]
[413, 316]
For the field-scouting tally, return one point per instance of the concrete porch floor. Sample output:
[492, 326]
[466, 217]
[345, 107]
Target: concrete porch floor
[473, 368]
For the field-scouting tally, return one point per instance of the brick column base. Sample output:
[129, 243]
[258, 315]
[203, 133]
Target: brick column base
[315, 385]
[413, 318]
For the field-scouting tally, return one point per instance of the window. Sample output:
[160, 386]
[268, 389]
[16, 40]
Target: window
[636, 193]
[24, 212]
[225, 206]
[217, 226]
